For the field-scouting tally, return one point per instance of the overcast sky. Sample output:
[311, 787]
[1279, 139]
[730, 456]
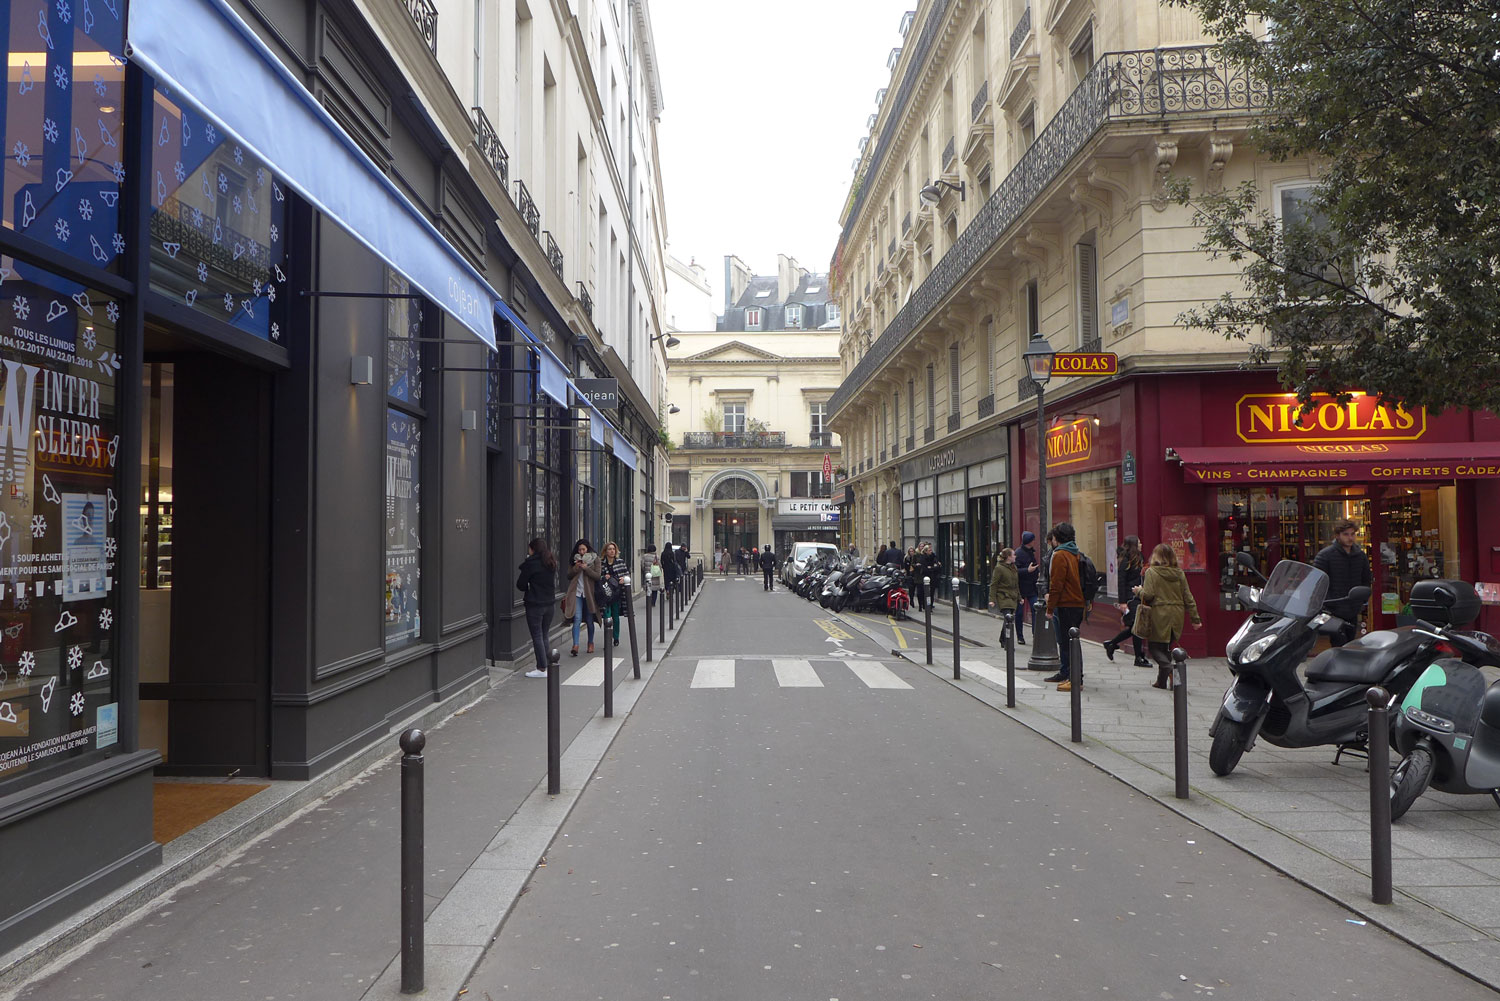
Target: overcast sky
[764, 107]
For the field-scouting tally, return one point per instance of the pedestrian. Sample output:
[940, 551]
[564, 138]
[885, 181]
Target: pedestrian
[1166, 600]
[1347, 567]
[929, 569]
[580, 603]
[651, 570]
[1005, 585]
[1028, 569]
[682, 560]
[889, 556]
[538, 581]
[743, 564]
[671, 569]
[614, 587]
[1132, 566]
[1064, 598]
[768, 568]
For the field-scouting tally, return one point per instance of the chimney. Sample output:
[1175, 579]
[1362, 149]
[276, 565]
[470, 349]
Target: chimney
[736, 278]
[788, 274]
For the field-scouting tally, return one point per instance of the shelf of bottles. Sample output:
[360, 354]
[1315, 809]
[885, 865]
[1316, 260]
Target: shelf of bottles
[156, 561]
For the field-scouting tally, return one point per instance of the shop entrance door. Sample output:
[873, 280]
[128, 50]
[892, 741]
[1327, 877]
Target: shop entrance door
[736, 527]
[205, 586]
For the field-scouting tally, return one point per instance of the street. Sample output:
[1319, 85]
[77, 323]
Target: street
[791, 812]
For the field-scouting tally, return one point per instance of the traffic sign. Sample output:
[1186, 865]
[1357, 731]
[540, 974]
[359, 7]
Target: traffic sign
[827, 467]
[1079, 363]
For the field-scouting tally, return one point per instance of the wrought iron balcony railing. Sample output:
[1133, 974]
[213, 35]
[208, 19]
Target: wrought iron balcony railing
[554, 254]
[1092, 345]
[734, 439]
[906, 224]
[980, 100]
[949, 152]
[882, 455]
[529, 213]
[820, 439]
[987, 407]
[953, 422]
[929, 434]
[585, 300]
[1022, 29]
[1025, 387]
[490, 148]
[911, 442]
[1149, 84]
[424, 15]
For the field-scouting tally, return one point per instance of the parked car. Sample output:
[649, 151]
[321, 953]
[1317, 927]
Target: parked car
[802, 554]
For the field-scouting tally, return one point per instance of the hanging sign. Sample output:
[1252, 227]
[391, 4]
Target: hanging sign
[602, 393]
[827, 468]
[1079, 363]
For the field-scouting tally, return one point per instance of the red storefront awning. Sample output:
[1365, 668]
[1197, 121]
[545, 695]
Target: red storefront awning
[1360, 461]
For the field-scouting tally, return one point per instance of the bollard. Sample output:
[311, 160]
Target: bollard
[671, 610]
[1008, 640]
[927, 607]
[1075, 675]
[957, 674]
[609, 668]
[1043, 640]
[554, 707]
[661, 615]
[1380, 794]
[413, 974]
[635, 649]
[1180, 719]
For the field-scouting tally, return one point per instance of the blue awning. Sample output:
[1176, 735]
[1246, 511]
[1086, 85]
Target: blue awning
[210, 57]
[625, 452]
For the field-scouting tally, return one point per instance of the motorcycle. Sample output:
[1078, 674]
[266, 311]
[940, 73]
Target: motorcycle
[833, 586]
[1267, 698]
[1448, 726]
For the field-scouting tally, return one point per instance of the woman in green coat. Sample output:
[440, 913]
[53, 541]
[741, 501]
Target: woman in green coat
[1166, 602]
[1005, 584]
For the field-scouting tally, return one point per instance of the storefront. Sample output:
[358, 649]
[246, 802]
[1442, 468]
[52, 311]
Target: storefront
[955, 497]
[801, 519]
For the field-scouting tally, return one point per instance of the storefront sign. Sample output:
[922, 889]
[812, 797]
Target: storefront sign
[1078, 363]
[1070, 442]
[1127, 469]
[977, 448]
[805, 506]
[827, 467]
[602, 393]
[1267, 418]
[1364, 471]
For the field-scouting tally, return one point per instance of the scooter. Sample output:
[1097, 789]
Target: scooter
[1268, 699]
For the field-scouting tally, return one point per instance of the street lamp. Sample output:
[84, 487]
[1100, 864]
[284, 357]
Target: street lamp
[1038, 357]
[672, 342]
[933, 193]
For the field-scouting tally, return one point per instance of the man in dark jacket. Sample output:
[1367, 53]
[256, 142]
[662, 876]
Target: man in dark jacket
[1064, 599]
[1028, 569]
[768, 568]
[890, 555]
[1347, 567]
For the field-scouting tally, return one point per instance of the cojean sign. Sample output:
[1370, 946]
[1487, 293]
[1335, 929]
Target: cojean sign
[602, 393]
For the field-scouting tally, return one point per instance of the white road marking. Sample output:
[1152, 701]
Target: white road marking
[875, 675]
[710, 674]
[591, 673]
[794, 673]
[995, 674]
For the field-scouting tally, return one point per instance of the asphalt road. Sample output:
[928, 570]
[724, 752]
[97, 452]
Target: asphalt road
[781, 826]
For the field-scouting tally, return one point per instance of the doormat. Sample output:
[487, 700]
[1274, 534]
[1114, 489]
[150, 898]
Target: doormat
[178, 807]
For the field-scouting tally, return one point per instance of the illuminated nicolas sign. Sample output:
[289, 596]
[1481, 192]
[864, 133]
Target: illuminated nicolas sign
[1267, 418]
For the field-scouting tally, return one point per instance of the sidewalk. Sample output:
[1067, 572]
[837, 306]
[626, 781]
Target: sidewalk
[311, 908]
[1292, 808]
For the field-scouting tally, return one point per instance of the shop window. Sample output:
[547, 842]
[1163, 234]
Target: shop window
[59, 516]
[62, 166]
[403, 463]
[403, 344]
[1090, 504]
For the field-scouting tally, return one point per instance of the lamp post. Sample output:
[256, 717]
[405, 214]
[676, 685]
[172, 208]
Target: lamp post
[1038, 357]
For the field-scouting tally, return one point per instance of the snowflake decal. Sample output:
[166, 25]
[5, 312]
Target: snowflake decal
[238, 205]
[38, 526]
[239, 156]
[255, 287]
[275, 331]
[118, 169]
[23, 154]
[60, 76]
[197, 218]
[23, 601]
[111, 547]
[89, 339]
[253, 248]
[28, 664]
[75, 657]
[179, 171]
[118, 242]
[85, 208]
[228, 303]
[260, 177]
[275, 233]
[99, 87]
[112, 310]
[106, 619]
[270, 293]
[203, 271]
[49, 130]
[64, 12]
[211, 134]
[223, 182]
[61, 229]
[75, 704]
[20, 307]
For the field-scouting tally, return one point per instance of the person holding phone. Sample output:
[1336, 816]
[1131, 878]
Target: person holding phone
[578, 602]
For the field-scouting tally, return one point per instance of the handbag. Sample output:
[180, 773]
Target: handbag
[1142, 625]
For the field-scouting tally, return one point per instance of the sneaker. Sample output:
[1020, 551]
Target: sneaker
[1055, 678]
[534, 673]
[1065, 686]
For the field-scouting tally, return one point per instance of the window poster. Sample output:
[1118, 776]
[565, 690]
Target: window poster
[59, 518]
[1112, 560]
[1188, 537]
[403, 541]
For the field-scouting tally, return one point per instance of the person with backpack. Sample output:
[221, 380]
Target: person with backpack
[1131, 568]
[1066, 599]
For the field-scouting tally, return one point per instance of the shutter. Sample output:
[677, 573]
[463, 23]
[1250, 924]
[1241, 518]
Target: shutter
[1088, 298]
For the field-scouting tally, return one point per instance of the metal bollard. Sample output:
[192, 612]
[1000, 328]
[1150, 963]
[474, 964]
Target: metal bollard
[927, 608]
[1008, 636]
[413, 974]
[609, 668]
[671, 610]
[1075, 675]
[1379, 701]
[554, 708]
[957, 674]
[635, 649]
[1180, 720]
[1043, 640]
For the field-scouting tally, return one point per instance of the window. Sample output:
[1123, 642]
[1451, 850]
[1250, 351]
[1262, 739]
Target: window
[885, 417]
[954, 394]
[752, 319]
[1087, 298]
[793, 317]
[1301, 221]
[931, 397]
[1033, 310]
[1027, 126]
[677, 483]
[1082, 52]
[818, 415]
[833, 312]
[809, 484]
[478, 46]
[911, 408]
[734, 418]
[403, 466]
[896, 412]
[984, 340]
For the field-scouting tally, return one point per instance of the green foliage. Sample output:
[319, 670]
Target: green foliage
[665, 439]
[1391, 286]
[713, 420]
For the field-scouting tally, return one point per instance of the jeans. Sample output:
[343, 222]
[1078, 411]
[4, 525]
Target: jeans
[1062, 620]
[539, 622]
[612, 613]
[580, 613]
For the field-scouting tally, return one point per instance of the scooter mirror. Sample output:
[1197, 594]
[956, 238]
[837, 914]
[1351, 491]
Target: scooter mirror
[1246, 596]
[1244, 559]
[1359, 595]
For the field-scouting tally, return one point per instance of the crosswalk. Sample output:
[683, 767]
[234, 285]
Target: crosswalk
[792, 672]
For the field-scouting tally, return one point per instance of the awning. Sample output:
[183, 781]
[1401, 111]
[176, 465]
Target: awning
[1363, 461]
[208, 56]
[625, 452]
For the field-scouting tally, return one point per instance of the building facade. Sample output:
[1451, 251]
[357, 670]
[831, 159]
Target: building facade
[1046, 212]
[750, 444]
[292, 371]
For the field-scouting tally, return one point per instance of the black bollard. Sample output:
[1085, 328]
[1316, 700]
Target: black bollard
[609, 668]
[1380, 794]
[661, 616]
[554, 708]
[957, 674]
[927, 607]
[671, 610]
[1043, 640]
[1008, 636]
[635, 649]
[413, 974]
[1180, 719]
[1075, 675]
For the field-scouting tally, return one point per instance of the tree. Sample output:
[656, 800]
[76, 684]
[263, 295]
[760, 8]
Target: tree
[1387, 282]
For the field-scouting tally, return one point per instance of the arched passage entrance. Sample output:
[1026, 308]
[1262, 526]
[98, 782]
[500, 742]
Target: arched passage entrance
[734, 501]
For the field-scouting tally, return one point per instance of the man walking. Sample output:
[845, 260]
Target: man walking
[1347, 567]
[1064, 599]
[768, 568]
[1028, 569]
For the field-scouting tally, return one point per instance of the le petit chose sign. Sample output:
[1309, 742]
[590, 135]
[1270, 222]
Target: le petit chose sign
[1270, 418]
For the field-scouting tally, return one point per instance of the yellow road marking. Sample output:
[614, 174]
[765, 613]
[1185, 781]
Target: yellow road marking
[834, 629]
[900, 637]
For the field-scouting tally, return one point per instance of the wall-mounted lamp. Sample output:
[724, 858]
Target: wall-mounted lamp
[468, 420]
[672, 342]
[361, 370]
[674, 409]
[933, 193]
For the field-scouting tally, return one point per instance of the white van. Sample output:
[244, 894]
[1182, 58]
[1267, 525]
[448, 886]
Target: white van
[802, 554]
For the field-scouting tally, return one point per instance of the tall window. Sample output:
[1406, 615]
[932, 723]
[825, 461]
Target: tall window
[954, 392]
[896, 415]
[405, 414]
[911, 408]
[1033, 310]
[752, 318]
[1027, 125]
[677, 483]
[818, 419]
[793, 317]
[885, 416]
[1087, 301]
[986, 367]
[478, 47]
[833, 312]
[809, 483]
[931, 397]
[734, 418]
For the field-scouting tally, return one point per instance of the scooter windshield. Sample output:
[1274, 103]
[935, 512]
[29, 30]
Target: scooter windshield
[1295, 590]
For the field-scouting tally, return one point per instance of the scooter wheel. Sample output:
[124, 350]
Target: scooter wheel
[1226, 750]
[1410, 780]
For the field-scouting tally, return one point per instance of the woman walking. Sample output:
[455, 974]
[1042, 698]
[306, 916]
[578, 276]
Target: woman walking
[579, 603]
[1132, 566]
[651, 571]
[614, 583]
[1005, 585]
[538, 579]
[1166, 600]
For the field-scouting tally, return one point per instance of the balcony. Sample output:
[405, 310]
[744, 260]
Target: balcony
[1139, 86]
[953, 422]
[987, 407]
[1092, 345]
[554, 254]
[489, 147]
[820, 439]
[424, 15]
[1023, 28]
[911, 442]
[929, 434]
[980, 100]
[585, 300]
[529, 214]
[733, 439]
